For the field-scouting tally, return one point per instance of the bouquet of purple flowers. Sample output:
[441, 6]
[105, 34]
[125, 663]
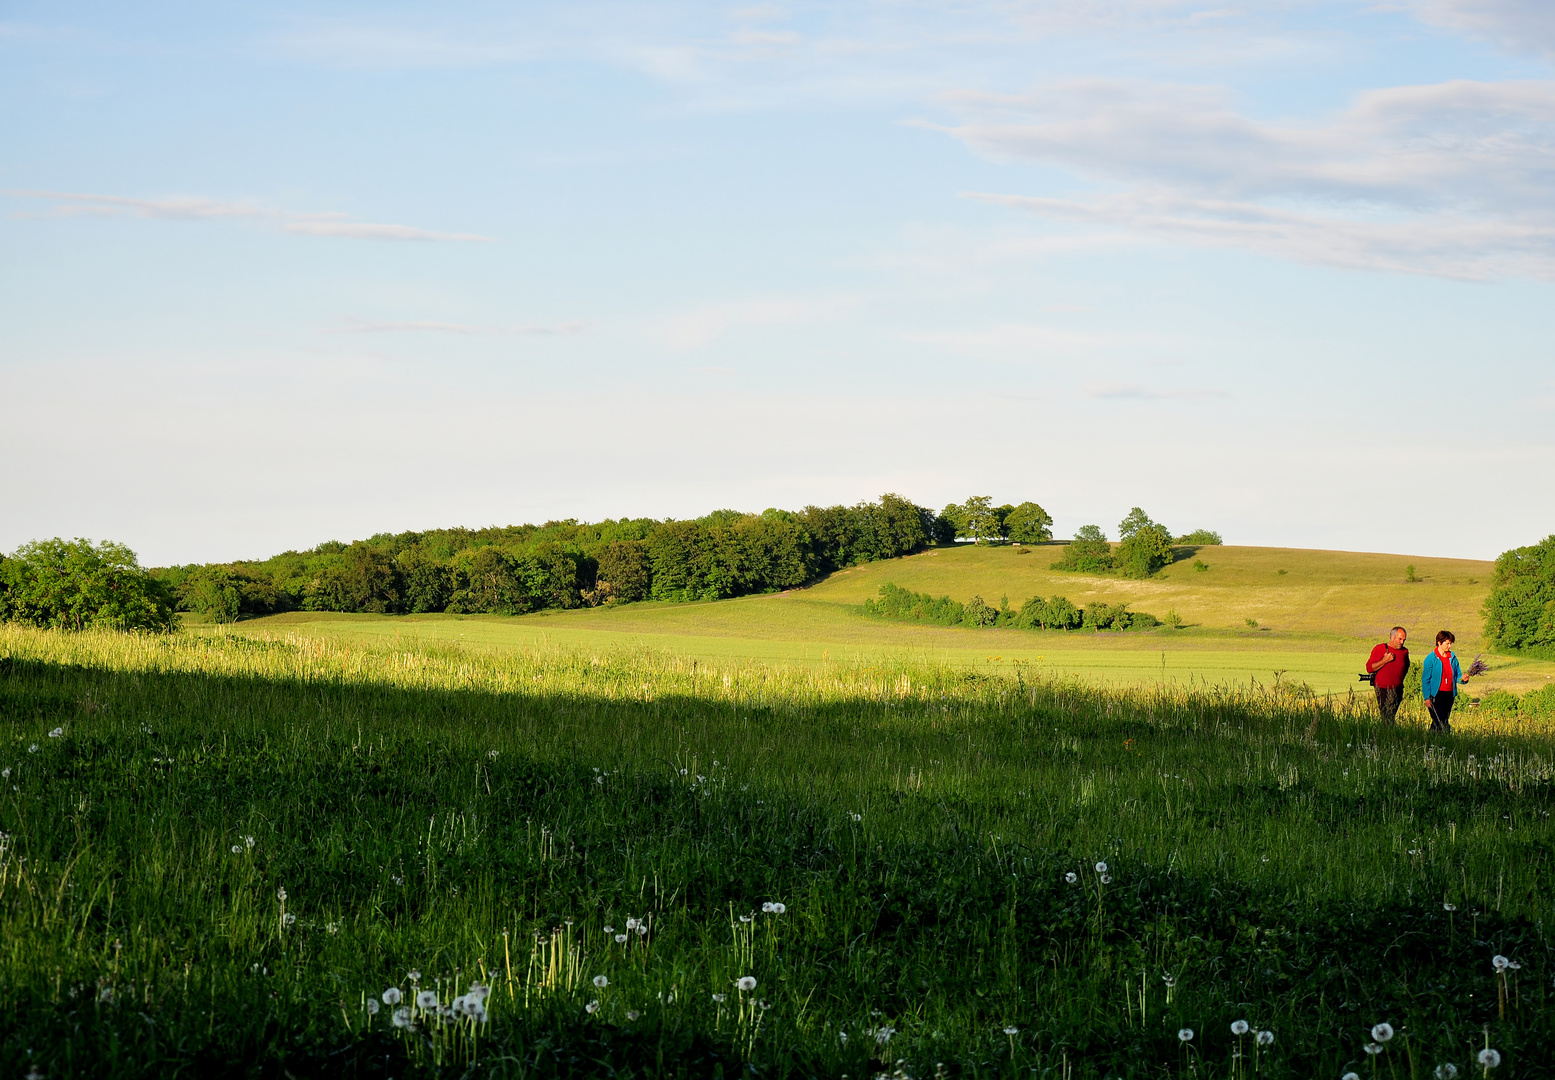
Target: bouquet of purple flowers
[1478, 667]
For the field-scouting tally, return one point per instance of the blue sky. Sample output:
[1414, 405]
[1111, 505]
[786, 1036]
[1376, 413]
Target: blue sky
[274, 274]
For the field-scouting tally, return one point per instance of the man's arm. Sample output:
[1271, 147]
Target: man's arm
[1376, 665]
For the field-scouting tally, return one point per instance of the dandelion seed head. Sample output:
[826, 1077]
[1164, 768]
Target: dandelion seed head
[1449, 907]
[610, 929]
[601, 982]
[289, 918]
[414, 976]
[632, 1014]
[1446, 1071]
[1265, 1038]
[1071, 877]
[426, 999]
[1239, 1027]
[1382, 1032]
[1011, 1029]
[632, 924]
[237, 849]
[1373, 1048]
[1185, 1034]
[592, 1007]
[402, 1016]
[372, 1006]
[1499, 962]
[620, 939]
[1106, 879]
[719, 999]
[642, 929]
[745, 982]
[1350, 1076]
[1101, 868]
[280, 894]
[1489, 1058]
[56, 733]
[883, 1035]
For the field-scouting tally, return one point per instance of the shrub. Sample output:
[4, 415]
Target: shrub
[1087, 553]
[1538, 704]
[902, 604]
[1146, 551]
[1201, 538]
[1106, 617]
[1200, 564]
[1139, 620]
[1173, 619]
[74, 584]
[1499, 703]
[978, 613]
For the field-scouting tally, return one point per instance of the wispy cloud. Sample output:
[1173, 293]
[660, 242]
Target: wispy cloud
[201, 208]
[1517, 25]
[365, 326]
[1454, 179]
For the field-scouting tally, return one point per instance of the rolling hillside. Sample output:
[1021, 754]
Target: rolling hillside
[1316, 620]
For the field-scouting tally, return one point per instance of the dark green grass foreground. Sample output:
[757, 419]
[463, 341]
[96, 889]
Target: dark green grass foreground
[440, 811]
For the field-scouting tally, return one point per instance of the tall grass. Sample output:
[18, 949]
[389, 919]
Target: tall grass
[483, 816]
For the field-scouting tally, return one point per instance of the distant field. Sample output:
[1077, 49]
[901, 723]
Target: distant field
[1316, 620]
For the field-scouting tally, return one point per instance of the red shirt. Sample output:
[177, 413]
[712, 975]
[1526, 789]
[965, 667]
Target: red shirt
[1393, 672]
[1447, 680]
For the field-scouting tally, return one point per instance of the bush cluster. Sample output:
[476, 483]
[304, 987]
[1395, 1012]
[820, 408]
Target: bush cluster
[1054, 613]
[75, 584]
[1535, 705]
[1144, 547]
[561, 564]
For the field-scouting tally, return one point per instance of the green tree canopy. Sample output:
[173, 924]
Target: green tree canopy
[1028, 523]
[1137, 520]
[979, 520]
[74, 584]
[1520, 610]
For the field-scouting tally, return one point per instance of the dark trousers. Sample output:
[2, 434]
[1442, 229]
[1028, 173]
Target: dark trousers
[1388, 698]
[1440, 708]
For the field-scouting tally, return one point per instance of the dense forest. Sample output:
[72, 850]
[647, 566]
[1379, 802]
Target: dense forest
[567, 564]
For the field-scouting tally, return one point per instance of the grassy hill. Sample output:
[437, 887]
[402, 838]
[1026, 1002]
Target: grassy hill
[1315, 621]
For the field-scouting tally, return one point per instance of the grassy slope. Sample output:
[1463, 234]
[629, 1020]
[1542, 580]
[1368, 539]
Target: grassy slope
[1315, 621]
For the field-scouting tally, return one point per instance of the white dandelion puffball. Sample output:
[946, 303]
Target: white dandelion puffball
[632, 1014]
[479, 991]
[1373, 1048]
[248, 840]
[746, 982]
[1449, 907]
[620, 939]
[1489, 1058]
[1101, 868]
[1446, 1071]
[883, 1036]
[427, 999]
[1071, 877]
[718, 999]
[237, 849]
[856, 817]
[1382, 1032]
[1185, 1035]
[1239, 1027]
[402, 1016]
[289, 918]
[632, 924]
[745, 918]
[280, 894]
[372, 1006]
[1350, 1076]
[414, 976]
[1106, 879]
[642, 929]
[767, 908]
[1500, 963]
[478, 1012]
[610, 929]
[592, 1007]
[842, 1037]
[56, 733]
[1012, 1030]
[601, 982]
[1265, 1038]
[33, 749]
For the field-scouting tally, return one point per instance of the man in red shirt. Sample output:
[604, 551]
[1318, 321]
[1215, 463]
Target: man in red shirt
[1387, 666]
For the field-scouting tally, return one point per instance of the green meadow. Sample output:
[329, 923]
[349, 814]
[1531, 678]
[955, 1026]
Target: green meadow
[1316, 621]
[771, 837]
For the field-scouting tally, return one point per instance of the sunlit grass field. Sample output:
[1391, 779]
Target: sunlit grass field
[1316, 622]
[481, 813]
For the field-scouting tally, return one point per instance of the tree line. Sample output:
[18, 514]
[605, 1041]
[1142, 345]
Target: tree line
[563, 564]
[1145, 547]
[1053, 613]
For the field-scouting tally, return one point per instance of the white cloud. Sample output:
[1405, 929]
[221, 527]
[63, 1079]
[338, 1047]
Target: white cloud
[200, 208]
[1518, 25]
[1455, 178]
